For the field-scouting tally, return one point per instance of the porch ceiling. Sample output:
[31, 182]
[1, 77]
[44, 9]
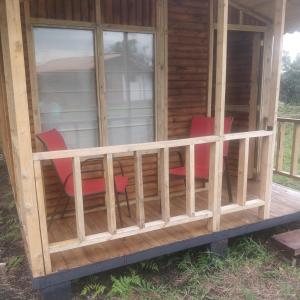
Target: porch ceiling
[265, 8]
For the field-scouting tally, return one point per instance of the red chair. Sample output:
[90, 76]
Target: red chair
[204, 126]
[54, 141]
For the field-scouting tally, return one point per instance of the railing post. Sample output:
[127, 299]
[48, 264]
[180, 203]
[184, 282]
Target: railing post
[243, 172]
[295, 150]
[280, 146]
[110, 193]
[190, 179]
[79, 210]
[164, 182]
[139, 190]
[40, 195]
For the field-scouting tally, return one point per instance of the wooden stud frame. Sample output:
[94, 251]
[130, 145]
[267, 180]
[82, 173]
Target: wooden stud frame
[159, 32]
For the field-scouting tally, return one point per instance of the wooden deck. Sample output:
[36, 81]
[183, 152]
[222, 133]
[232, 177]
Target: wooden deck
[284, 202]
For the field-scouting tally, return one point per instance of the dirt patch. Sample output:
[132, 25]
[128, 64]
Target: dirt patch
[15, 277]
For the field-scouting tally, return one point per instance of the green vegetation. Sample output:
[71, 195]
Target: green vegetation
[290, 111]
[249, 271]
[15, 262]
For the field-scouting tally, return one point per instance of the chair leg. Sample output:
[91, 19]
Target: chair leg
[119, 208]
[228, 180]
[128, 205]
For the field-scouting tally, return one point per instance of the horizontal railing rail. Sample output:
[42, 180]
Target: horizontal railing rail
[162, 148]
[286, 127]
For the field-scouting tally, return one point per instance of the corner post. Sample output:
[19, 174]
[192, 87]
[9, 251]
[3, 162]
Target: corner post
[267, 164]
[15, 81]
[216, 154]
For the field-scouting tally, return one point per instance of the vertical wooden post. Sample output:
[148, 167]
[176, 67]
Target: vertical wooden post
[256, 47]
[211, 58]
[110, 193]
[79, 210]
[280, 146]
[161, 69]
[139, 190]
[190, 179]
[164, 182]
[295, 150]
[15, 80]
[243, 172]
[40, 194]
[100, 74]
[216, 154]
[267, 161]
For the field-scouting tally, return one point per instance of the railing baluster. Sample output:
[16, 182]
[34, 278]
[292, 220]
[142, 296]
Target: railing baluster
[280, 146]
[78, 199]
[110, 193]
[139, 190]
[190, 179]
[40, 193]
[243, 172]
[295, 150]
[164, 181]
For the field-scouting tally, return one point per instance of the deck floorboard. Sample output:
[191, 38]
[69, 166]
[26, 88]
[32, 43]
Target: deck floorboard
[284, 202]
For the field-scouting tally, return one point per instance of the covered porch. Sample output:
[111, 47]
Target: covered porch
[209, 59]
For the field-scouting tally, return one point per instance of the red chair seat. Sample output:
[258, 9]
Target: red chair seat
[96, 186]
[199, 173]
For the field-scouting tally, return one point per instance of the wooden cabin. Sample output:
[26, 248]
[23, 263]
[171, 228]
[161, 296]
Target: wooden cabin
[121, 82]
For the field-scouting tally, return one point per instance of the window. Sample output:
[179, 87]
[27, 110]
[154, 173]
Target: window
[66, 76]
[128, 59]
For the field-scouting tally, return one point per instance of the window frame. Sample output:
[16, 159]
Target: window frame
[159, 32]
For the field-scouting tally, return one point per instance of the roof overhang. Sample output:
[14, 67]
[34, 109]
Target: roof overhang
[265, 8]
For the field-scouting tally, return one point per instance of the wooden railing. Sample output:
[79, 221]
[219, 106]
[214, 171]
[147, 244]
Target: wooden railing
[162, 149]
[288, 129]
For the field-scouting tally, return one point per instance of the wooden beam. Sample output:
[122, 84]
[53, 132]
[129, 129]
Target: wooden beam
[254, 94]
[280, 146]
[279, 22]
[211, 58]
[110, 199]
[164, 182]
[139, 190]
[295, 150]
[190, 180]
[79, 210]
[245, 28]
[161, 70]
[243, 172]
[32, 74]
[40, 194]
[216, 154]
[15, 80]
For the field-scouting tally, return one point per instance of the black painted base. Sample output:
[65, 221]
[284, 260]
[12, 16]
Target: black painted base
[219, 248]
[60, 291]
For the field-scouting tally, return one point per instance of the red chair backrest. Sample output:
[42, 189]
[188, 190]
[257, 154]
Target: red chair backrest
[204, 126]
[54, 141]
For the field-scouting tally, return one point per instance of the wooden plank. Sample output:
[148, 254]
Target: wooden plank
[253, 103]
[110, 194]
[295, 150]
[164, 184]
[128, 28]
[161, 70]
[243, 172]
[32, 75]
[40, 194]
[139, 186]
[62, 23]
[280, 146]
[216, 152]
[211, 58]
[190, 180]
[80, 224]
[233, 208]
[15, 80]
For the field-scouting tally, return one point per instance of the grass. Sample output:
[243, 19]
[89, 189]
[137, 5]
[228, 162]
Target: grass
[249, 271]
[291, 112]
